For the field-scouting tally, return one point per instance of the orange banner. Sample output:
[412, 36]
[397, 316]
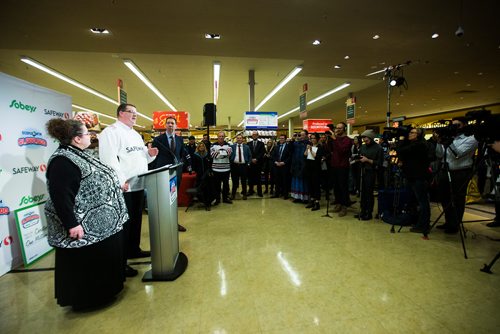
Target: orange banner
[316, 125]
[160, 117]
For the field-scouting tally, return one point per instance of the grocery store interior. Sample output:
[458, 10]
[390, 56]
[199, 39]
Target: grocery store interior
[267, 265]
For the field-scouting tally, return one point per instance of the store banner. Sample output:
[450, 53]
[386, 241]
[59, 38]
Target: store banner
[25, 149]
[160, 119]
[316, 125]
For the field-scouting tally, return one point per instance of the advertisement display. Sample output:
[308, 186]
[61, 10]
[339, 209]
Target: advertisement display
[26, 148]
[32, 232]
[261, 120]
[316, 125]
[160, 118]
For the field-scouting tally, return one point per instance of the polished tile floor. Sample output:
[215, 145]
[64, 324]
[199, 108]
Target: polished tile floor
[271, 266]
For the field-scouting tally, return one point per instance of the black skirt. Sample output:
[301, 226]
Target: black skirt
[89, 276]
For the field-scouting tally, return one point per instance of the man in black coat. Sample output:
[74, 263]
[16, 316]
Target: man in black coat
[254, 178]
[171, 148]
[281, 163]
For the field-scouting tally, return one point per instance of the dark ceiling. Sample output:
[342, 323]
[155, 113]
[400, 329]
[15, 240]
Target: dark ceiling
[166, 40]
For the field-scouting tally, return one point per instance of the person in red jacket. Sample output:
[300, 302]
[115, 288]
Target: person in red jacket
[340, 149]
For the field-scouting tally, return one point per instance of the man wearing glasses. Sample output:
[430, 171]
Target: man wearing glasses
[122, 148]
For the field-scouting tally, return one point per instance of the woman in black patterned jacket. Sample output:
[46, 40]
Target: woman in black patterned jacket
[85, 216]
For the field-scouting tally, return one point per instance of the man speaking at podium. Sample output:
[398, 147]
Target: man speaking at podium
[172, 150]
[122, 148]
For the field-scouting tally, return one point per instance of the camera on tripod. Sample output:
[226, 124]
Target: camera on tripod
[395, 133]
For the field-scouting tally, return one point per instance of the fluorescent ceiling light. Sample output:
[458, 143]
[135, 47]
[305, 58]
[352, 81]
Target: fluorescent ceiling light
[376, 37]
[435, 35]
[316, 42]
[322, 96]
[130, 64]
[212, 36]
[337, 67]
[216, 81]
[63, 77]
[289, 77]
[90, 110]
[99, 31]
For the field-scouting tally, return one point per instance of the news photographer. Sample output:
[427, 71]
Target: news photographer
[413, 155]
[456, 150]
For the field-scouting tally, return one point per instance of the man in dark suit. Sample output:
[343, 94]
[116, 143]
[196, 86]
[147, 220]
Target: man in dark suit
[258, 150]
[281, 163]
[240, 161]
[170, 145]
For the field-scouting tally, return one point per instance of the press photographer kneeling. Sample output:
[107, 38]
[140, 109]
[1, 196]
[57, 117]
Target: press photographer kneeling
[413, 154]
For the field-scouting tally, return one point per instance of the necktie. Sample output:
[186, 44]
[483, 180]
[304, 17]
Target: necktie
[239, 153]
[172, 143]
[281, 150]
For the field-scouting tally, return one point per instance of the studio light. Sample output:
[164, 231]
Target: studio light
[130, 64]
[397, 81]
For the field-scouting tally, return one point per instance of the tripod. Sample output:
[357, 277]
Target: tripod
[452, 204]
[327, 196]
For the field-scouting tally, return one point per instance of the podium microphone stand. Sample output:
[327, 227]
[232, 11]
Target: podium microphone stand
[167, 263]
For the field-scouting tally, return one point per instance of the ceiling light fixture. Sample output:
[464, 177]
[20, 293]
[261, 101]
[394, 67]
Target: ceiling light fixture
[216, 81]
[347, 57]
[90, 110]
[212, 36]
[276, 89]
[99, 30]
[376, 37]
[63, 77]
[322, 96]
[435, 35]
[130, 64]
[337, 67]
[316, 42]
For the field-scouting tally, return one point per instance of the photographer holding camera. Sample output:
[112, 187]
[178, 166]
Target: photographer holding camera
[457, 153]
[414, 161]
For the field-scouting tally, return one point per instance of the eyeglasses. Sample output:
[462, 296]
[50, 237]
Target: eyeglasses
[87, 134]
[131, 112]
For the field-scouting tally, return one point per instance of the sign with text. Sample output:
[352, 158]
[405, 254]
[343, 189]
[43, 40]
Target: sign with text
[350, 110]
[122, 94]
[33, 232]
[316, 125]
[261, 120]
[160, 118]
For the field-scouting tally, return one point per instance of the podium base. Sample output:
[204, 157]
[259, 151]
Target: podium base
[179, 269]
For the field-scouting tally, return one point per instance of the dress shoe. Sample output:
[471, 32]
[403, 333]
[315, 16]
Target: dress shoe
[208, 208]
[310, 205]
[130, 272]
[228, 201]
[181, 228]
[493, 224]
[140, 254]
[367, 217]
[315, 206]
[244, 197]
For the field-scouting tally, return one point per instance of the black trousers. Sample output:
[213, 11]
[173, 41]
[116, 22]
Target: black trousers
[254, 177]
[459, 182]
[313, 174]
[367, 186]
[282, 180]
[239, 172]
[132, 228]
[341, 186]
[221, 178]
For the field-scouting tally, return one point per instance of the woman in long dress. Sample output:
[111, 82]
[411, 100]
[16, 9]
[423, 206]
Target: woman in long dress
[299, 186]
[85, 216]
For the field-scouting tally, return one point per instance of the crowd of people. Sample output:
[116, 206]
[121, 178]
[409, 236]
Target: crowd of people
[94, 211]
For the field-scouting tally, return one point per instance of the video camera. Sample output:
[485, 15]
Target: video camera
[395, 133]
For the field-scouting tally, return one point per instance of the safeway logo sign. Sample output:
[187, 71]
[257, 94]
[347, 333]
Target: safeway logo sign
[6, 241]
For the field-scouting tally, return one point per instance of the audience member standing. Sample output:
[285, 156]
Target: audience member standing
[122, 148]
[220, 152]
[313, 155]
[371, 159]
[202, 166]
[254, 178]
[299, 186]
[240, 162]
[267, 168]
[281, 163]
[340, 148]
